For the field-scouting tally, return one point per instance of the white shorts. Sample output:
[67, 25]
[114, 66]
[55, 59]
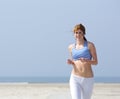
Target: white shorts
[81, 87]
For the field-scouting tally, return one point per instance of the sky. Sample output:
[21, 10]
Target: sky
[35, 34]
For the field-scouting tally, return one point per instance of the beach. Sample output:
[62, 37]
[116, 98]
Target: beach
[54, 91]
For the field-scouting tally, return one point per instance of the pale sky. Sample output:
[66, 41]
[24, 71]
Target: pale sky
[35, 34]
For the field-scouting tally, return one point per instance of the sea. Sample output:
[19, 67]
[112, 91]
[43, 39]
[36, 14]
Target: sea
[54, 79]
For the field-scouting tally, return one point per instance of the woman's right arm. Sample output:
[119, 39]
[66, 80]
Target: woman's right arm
[70, 61]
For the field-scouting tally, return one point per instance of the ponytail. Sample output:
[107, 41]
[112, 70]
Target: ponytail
[85, 38]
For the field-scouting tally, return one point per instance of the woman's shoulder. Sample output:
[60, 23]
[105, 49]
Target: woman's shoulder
[90, 44]
[71, 46]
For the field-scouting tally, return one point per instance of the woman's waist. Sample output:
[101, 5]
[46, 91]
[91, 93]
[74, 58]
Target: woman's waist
[82, 76]
[82, 72]
[82, 65]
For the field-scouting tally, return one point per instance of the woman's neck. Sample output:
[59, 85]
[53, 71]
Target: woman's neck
[80, 42]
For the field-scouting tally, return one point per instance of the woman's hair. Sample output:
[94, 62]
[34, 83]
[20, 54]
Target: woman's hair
[80, 27]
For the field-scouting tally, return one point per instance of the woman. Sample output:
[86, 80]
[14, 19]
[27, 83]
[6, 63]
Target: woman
[84, 55]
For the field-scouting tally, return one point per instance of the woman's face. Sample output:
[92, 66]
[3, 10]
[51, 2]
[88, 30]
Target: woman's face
[78, 34]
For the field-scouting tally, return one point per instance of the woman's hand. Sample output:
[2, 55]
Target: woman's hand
[69, 61]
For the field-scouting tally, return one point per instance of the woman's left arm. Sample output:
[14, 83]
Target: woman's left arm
[94, 60]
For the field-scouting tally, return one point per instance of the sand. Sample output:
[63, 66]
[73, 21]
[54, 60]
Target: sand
[54, 91]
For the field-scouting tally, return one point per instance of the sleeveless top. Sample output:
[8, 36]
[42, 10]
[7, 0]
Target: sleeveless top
[81, 53]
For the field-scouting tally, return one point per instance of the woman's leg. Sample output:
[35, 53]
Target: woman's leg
[75, 87]
[87, 86]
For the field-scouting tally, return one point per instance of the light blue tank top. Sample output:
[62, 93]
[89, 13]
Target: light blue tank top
[81, 53]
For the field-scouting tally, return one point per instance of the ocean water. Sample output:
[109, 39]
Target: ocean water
[55, 79]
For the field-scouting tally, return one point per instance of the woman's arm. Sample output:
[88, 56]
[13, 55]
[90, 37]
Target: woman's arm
[94, 60]
[93, 52]
[70, 61]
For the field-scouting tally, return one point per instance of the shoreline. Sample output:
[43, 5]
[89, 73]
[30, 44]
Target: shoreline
[54, 83]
